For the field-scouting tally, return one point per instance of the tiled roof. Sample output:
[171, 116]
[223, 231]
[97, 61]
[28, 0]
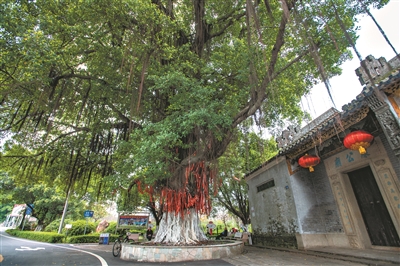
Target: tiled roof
[328, 120]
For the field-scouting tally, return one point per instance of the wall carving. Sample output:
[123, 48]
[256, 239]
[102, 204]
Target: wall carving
[379, 162]
[393, 88]
[334, 178]
[354, 243]
[390, 127]
[342, 205]
[391, 190]
[374, 103]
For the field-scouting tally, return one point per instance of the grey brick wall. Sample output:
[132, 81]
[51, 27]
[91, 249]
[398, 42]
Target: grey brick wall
[273, 207]
[315, 204]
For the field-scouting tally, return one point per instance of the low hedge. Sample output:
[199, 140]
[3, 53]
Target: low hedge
[59, 238]
[37, 236]
[91, 238]
[83, 239]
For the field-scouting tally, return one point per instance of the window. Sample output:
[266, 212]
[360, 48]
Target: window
[266, 185]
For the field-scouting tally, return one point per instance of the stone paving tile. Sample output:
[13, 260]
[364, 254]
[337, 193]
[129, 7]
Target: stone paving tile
[258, 256]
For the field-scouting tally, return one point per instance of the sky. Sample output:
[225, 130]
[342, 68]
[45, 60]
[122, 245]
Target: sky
[346, 87]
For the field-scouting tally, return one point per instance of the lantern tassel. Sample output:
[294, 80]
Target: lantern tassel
[311, 169]
[362, 150]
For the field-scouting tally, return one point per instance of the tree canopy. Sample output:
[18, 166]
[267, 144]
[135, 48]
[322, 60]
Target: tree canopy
[106, 94]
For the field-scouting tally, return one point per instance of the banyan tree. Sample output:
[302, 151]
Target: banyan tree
[108, 95]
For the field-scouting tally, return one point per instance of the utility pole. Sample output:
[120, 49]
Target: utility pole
[64, 212]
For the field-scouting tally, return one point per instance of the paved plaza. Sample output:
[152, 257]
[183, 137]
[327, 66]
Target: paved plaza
[255, 256]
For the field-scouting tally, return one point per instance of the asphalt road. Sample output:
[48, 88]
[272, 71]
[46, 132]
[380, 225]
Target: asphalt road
[22, 252]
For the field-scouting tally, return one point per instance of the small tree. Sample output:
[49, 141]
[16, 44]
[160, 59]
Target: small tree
[243, 155]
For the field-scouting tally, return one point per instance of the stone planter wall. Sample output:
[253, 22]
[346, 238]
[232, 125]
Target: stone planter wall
[180, 253]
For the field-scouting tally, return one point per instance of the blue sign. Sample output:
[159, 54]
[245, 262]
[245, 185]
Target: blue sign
[29, 210]
[88, 214]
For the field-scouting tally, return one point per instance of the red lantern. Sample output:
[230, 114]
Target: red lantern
[308, 161]
[358, 140]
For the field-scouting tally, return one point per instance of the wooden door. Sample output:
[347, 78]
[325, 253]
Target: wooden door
[376, 217]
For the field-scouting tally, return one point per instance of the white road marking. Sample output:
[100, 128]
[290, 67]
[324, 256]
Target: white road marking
[27, 248]
[102, 261]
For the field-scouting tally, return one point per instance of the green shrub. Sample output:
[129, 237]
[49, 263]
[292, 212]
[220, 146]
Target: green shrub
[92, 238]
[111, 228]
[37, 236]
[78, 228]
[54, 225]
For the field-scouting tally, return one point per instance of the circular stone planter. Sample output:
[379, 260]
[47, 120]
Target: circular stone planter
[180, 253]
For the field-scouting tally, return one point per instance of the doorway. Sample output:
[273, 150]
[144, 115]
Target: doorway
[373, 209]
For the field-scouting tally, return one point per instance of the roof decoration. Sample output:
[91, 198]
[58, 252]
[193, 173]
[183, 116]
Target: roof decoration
[293, 142]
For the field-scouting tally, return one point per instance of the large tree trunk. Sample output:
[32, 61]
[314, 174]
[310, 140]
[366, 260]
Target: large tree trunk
[178, 229]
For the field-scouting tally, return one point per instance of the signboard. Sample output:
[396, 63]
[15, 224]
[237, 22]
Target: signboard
[68, 226]
[211, 226]
[18, 209]
[132, 220]
[104, 238]
[238, 235]
[28, 210]
[88, 214]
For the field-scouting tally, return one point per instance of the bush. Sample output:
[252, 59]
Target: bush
[111, 228]
[37, 236]
[92, 238]
[78, 228]
[54, 225]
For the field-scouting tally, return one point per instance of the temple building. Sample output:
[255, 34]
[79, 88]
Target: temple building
[336, 181]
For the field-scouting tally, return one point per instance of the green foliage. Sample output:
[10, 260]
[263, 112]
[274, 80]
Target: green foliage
[90, 238]
[244, 154]
[38, 236]
[129, 201]
[78, 228]
[99, 209]
[5, 209]
[54, 225]
[111, 228]
[48, 201]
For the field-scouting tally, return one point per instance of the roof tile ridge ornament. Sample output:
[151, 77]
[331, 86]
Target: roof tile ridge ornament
[377, 68]
[293, 135]
[382, 73]
[287, 136]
